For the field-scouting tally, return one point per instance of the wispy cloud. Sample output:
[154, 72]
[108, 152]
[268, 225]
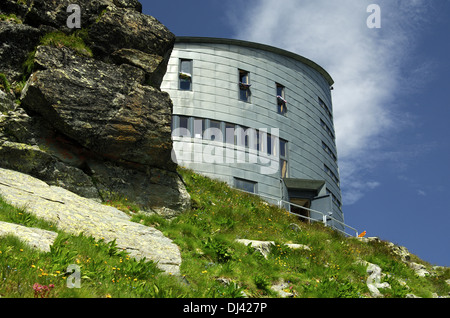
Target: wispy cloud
[366, 65]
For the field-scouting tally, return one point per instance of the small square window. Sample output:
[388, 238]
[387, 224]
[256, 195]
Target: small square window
[185, 75]
[244, 86]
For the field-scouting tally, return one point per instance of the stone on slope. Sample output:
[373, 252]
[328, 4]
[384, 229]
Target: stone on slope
[264, 246]
[74, 214]
[36, 238]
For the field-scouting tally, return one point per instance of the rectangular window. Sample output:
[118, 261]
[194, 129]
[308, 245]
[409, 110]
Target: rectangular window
[281, 101]
[335, 199]
[284, 158]
[244, 86]
[262, 141]
[331, 174]
[283, 148]
[180, 126]
[284, 168]
[230, 136]
[327, 129]
[325, 107]
[329, 151]
[242, 136]
[270, 142]
[184, 122]
[215, 130]
[185, 75]
[245, 185]
[199, 128]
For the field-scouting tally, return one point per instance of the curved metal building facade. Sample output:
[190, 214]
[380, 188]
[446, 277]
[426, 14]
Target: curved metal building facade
[257, 117]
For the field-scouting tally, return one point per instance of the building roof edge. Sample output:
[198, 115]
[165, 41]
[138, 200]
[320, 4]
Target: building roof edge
[304, 60]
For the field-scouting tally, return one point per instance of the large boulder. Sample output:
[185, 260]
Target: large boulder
[103, 107]
[95, 124]
[128, 36]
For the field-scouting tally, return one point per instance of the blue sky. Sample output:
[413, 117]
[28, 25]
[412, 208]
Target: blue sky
[391, 99]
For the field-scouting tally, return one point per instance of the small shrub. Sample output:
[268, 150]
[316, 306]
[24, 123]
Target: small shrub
[218, 248]
[262, 282]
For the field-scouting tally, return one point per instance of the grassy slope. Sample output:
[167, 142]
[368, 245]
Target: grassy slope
[206, 235]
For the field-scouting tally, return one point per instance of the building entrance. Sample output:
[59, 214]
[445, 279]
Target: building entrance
[298, 208]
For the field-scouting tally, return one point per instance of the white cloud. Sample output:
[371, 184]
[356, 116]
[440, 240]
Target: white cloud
[421, 193]
[365, 63]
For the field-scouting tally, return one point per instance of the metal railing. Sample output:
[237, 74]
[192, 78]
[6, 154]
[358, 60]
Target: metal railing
[326, 218]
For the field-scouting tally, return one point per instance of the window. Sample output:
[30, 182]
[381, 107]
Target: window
[329, 151]
[230, 136]
[184, 122]
[325, 107]
[270, 142]
[199, 127]
[284, 158]
[180, 126]
[335, 199]
[327, 129]
[244, 86]
[185, 75]
[281, 101]
[215, 130]
[331, 174]
[283, 148]
[242, 136]
[245, 185]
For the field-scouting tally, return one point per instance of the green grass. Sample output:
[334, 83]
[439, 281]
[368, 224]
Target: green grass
[106, 271]
[10, 18]
[4, 83]
[74, 41]
[206, 236]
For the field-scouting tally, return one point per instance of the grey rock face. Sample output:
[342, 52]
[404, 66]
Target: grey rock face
[103, 107]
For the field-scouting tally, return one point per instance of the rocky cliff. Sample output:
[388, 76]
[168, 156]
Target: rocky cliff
[81, 108]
